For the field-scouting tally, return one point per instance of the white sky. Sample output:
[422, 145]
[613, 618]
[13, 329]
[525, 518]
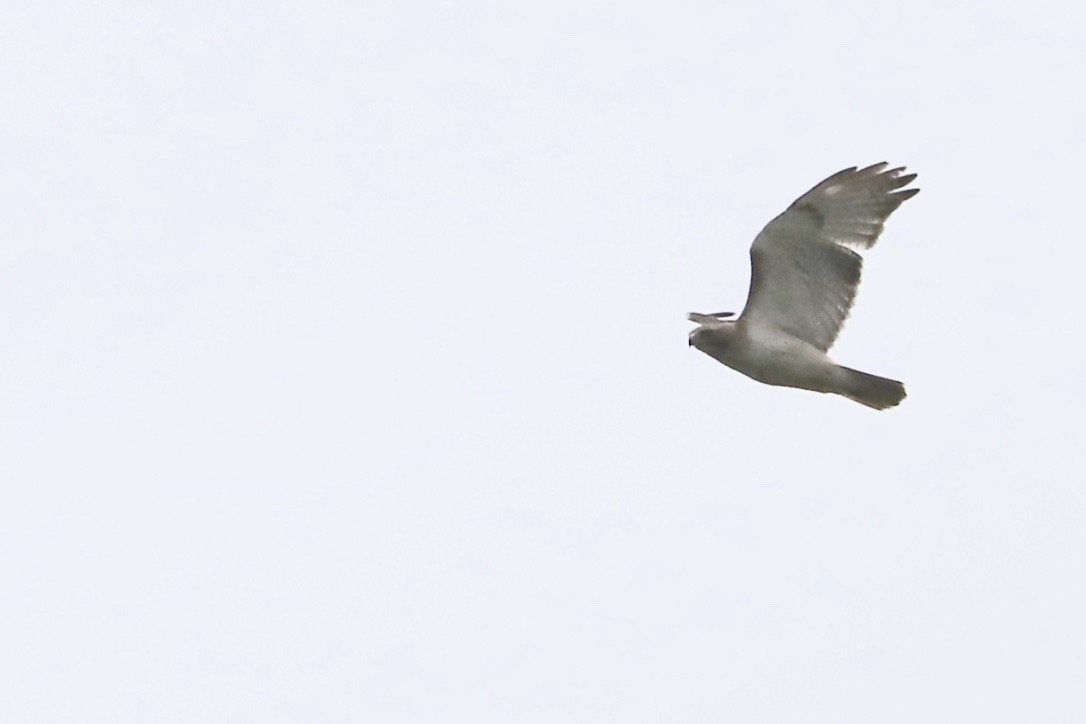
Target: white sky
[344, 372]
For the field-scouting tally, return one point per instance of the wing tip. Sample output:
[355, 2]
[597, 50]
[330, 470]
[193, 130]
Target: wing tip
[873, 169]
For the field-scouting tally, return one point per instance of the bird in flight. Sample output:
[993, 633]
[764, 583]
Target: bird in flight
[804, 273]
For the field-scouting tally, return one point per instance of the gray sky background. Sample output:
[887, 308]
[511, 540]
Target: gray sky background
[345, 375]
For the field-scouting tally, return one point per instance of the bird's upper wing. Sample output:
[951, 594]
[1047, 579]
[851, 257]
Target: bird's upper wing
[803, 274]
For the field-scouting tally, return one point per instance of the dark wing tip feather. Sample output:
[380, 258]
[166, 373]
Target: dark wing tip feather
[896, 182]
[873, 169]
[834, 178]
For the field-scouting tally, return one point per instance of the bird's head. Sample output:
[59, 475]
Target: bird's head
[707, 325]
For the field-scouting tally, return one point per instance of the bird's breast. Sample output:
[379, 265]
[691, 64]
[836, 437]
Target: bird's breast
[775, 358]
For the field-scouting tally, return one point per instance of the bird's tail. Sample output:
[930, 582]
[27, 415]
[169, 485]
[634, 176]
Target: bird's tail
[877, 392]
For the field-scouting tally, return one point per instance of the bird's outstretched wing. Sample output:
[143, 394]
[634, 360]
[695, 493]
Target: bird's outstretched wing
[804, 274]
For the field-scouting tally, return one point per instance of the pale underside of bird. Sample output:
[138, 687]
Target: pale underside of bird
[805, 269]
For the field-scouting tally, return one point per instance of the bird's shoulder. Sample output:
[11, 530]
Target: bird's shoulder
[800, 223]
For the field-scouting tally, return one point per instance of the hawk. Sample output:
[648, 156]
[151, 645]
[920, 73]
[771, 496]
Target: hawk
[805, 268]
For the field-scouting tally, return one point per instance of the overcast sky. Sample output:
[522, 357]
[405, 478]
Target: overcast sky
[344, 372]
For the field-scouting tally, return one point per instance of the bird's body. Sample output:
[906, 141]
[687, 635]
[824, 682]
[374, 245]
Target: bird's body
[804, 275]
[773, 359]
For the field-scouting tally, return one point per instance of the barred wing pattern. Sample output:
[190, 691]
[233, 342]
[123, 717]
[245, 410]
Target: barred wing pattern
[804, 275]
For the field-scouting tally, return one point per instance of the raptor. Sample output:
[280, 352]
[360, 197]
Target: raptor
[805, 269]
